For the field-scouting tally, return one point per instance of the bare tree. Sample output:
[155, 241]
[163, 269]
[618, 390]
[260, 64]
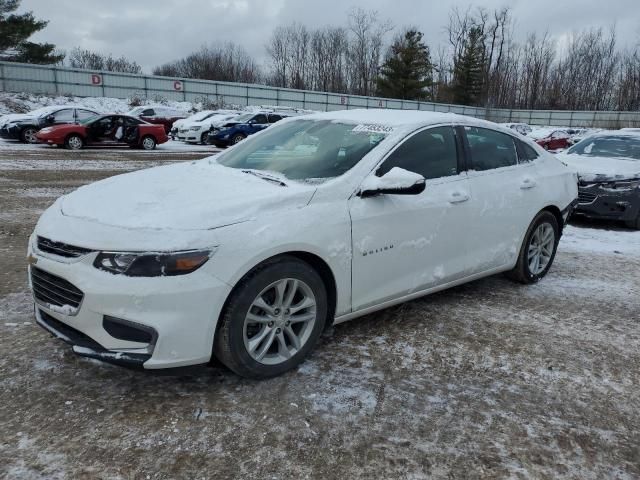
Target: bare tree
[87, 59]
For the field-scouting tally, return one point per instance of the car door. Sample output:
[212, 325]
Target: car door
[259, 122]
[503, 191]
[407, 243]
[100, 130]
[82, 115]
[61, 117]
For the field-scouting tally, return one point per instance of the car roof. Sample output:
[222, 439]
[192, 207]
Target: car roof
[401, 119]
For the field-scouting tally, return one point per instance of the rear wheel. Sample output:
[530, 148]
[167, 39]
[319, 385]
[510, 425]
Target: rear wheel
[148, 143]
[272, 319]
[538, 249]
[74, 142]
[28, 135]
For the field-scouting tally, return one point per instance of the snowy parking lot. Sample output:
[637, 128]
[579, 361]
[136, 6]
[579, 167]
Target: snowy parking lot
[489, 379]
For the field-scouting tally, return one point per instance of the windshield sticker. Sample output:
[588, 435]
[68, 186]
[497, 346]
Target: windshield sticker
[372, 128]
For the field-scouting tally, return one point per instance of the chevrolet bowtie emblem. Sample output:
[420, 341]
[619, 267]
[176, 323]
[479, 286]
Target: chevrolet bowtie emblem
[32, 260]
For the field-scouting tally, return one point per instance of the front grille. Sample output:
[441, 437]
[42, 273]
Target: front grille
[61, 249]
[586, 197]
[53, 290]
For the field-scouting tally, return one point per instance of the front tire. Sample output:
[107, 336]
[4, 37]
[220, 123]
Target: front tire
[237, 138]
[28, 135]
[273, 319]
[634, 224]
[74, 142]
[538, 249]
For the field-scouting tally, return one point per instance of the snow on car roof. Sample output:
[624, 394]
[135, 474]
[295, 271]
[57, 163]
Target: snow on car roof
[396, 118]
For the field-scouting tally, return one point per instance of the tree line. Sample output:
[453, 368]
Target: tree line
[480, 64]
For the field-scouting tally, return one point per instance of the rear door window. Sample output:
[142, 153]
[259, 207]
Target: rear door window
[82, 115]
[149, 112]
[490, 149]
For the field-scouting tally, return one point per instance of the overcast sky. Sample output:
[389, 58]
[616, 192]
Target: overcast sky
[152, 32]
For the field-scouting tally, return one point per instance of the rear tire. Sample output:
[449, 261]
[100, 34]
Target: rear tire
[28, 135]
[148, 143]
[538, 249]
[257, 342]
[74, 142]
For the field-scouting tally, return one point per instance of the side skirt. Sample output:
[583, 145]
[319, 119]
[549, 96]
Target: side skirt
[412, 296]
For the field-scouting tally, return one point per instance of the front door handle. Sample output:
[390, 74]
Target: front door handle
[458, 197]
[527, 183]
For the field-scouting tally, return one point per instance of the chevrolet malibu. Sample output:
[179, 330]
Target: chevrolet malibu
[249, 255]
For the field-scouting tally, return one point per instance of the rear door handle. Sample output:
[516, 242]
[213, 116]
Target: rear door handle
[527, 183]
[458, 197]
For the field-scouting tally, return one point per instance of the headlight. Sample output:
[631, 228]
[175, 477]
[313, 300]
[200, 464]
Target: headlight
[152, 264]
[626, 184]
[194, 128]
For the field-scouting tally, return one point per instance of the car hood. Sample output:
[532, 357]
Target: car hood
[22, 117]
[198, 195]
[601, 169]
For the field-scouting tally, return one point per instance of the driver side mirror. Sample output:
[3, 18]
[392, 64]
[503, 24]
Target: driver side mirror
[50, 119]
[396, 181]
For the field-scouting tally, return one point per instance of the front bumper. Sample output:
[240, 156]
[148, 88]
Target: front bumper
[600, 202]
[182, 312]
[10, 133]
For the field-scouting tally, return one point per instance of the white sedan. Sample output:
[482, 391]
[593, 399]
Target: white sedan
[247, 256]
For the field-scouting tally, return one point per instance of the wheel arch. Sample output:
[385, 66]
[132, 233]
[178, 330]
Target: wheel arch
[77, 134]
[315, 261]
[556, 212]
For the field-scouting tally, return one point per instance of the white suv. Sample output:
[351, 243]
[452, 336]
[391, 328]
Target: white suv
[319, 219]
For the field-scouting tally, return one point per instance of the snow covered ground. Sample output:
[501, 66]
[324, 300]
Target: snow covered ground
[490, 379]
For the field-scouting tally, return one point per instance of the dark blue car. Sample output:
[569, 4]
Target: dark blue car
[241, 127]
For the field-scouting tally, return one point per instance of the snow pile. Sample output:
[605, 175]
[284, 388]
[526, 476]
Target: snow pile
[11, 103]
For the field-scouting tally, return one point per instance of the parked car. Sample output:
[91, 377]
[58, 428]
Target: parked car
[249, 255]
[159, 115]
[557, 139]
[25, 127]
[198, 132]
[105, 130]
[521, 128]
[608, 167]
[239, 128]
[196, 117]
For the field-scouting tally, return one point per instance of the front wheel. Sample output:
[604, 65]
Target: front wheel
[538, 249]
[273, 319]
[28, 135]
[148, 143]
[74, 142]
[237, 138]
[634, 224]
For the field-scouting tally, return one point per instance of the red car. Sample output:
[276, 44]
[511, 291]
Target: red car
[112, 130]
[558, 139]
[159, 114]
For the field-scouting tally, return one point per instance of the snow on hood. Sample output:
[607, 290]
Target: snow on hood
[187, 196]
[595, 169]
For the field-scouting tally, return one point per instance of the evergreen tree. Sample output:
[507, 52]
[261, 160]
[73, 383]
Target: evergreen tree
[407, 70]
[468, 77]
[15, 30]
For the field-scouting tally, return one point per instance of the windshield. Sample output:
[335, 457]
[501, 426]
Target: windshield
[623, 146]
[87, 121]
[200, 116]
[304, 149]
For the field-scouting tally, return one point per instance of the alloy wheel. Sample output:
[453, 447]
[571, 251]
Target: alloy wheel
[148, 143]
[30, 135]
[280, 321]
[75, 143]
[541, 248]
